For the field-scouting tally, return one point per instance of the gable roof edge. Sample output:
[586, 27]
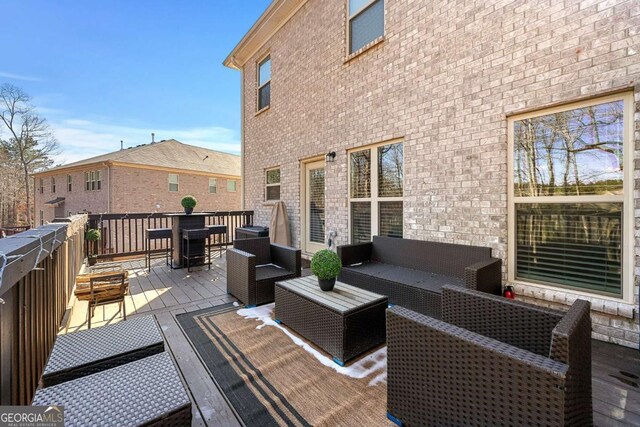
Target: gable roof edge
[277, 14]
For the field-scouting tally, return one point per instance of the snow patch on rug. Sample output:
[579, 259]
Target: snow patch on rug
[362, 368]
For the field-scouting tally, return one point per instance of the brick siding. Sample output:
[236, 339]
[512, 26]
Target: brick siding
[445, 79]
[133, 190]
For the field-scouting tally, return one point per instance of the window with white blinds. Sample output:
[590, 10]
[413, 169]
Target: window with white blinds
[376, 176]
[569, 196]
[213, 185]
[316, 205]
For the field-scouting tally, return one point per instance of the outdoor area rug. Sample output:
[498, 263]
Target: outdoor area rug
[270, 376]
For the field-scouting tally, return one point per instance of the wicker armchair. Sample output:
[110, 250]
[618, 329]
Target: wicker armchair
[255, 265]
[490, 361]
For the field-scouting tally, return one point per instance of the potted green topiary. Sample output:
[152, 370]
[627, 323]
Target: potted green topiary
[92, 235]
[188, 203]
[326, 266]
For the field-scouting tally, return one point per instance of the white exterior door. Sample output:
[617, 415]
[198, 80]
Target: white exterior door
[314, 233]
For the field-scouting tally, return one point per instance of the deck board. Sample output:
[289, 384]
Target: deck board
[165, 293]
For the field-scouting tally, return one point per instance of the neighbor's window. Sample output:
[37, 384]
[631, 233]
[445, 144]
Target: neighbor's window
[264, 83]
[376, 191]
[53, 184]
[213, 185]
[41, 218]
[173, 182]
[366, 22]
[92, 181]
[569, 201]
[69, 182]
[272, 190]
[231, 186]
[41, 186]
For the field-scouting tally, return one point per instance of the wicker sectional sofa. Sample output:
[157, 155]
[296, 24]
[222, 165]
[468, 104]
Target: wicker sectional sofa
[412, 272]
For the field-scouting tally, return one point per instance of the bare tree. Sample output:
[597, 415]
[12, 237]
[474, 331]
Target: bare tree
[30, 143]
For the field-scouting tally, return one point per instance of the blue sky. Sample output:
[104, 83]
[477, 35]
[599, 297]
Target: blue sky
[105, 71]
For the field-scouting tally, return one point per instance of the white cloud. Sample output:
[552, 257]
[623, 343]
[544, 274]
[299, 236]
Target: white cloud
[81, 139]
[13, 76]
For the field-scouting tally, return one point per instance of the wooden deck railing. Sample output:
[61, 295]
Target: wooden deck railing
[123, 233]
[37, 274]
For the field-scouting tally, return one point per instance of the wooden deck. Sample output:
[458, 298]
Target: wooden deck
[164, 293]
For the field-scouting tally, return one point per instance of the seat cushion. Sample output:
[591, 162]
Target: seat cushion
[271, 272]
[407, 276]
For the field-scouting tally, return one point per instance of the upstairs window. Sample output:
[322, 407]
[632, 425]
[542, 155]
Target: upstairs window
[41, 186]
[366, 22]
[69, 183]
[53, 185]
[264, 83]
[571, 203]
[231, 186]
[92, 181]
[213, 185]
[272, 190]
[173, 183]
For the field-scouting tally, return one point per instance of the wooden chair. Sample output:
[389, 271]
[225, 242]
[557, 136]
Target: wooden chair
[104, 289]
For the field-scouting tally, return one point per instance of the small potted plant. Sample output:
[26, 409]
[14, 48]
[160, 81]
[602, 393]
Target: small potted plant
[188, 203]
[326, 266]
[92, 235]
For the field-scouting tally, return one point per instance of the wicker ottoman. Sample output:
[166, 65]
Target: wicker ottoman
[345, 322]
[145, 392]
[86, 352]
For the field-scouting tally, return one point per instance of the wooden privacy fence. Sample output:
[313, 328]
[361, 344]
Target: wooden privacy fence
[37, 274]
[123, 234]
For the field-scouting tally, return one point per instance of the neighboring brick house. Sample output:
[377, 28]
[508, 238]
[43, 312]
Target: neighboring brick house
[148, 178]
[505, 124]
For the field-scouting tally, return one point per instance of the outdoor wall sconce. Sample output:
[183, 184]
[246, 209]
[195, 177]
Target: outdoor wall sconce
[330, 157]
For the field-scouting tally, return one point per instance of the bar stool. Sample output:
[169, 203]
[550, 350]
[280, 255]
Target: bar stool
[189, 238]
[157, 234]
[221, 231]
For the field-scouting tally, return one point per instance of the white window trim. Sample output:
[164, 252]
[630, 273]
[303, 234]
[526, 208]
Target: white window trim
[350, 54]
[260, 86]
[374, 199]
[626, 198]
[235, 188]
[266, 185]
[215, 186]
[169, 183]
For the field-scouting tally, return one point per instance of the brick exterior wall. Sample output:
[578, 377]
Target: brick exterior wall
[133, 190]
[445, 79]
[145, 190]
[76, 200]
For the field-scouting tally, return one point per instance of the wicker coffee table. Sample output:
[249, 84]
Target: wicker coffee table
[344, 322]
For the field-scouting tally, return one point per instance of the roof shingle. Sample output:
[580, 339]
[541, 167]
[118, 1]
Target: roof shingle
[169, 154]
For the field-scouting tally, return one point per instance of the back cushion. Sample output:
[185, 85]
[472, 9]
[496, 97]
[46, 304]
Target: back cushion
[260, 247]
[440, 258]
